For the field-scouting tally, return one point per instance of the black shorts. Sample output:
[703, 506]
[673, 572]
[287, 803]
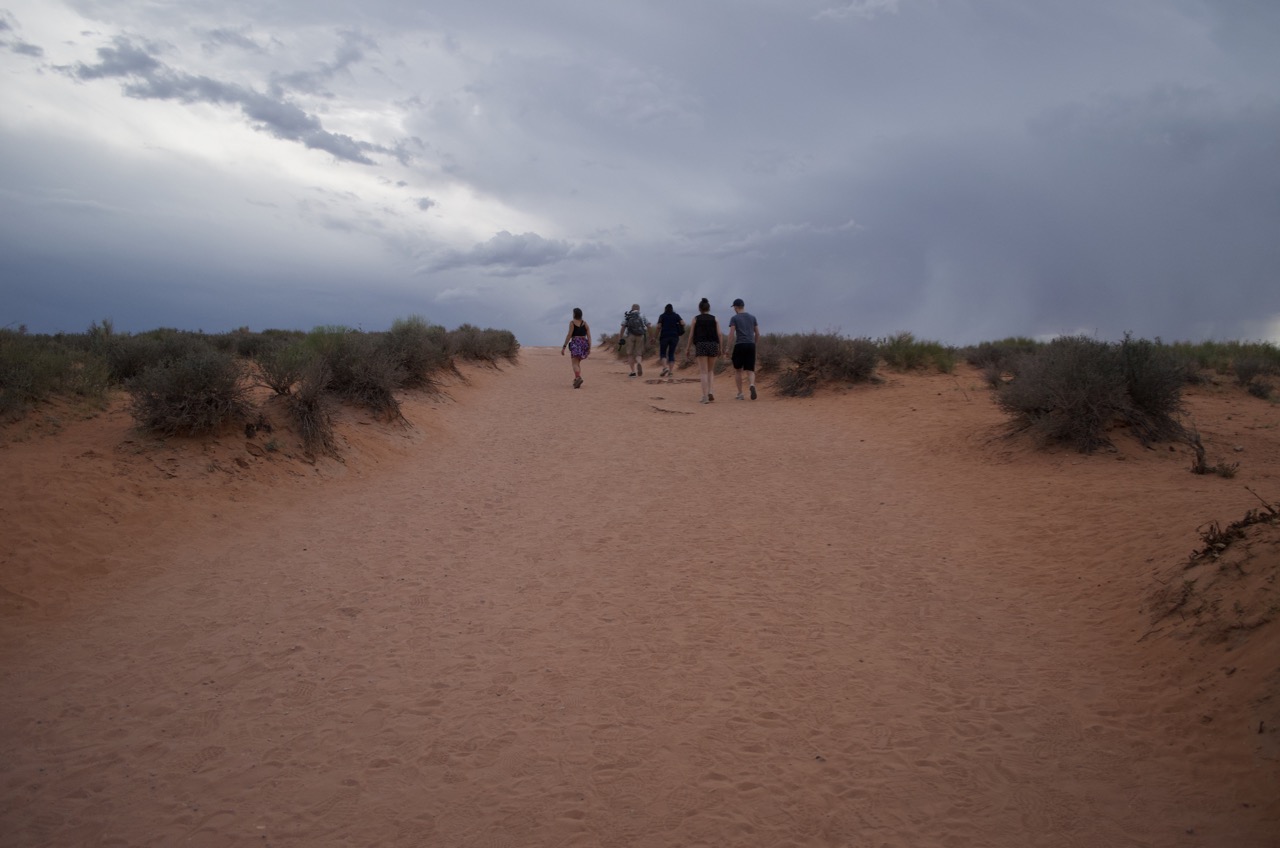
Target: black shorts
[744, 357]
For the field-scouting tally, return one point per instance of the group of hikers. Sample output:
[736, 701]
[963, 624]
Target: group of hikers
[704, 345]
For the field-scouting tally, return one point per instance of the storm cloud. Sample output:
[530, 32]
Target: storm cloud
[961, 171]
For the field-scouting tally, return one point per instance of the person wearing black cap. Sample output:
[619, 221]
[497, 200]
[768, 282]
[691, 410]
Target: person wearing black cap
[744, 333]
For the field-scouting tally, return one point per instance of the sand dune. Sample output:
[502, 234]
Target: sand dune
[614, 616]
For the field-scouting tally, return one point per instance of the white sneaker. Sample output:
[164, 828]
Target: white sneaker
[739, 396]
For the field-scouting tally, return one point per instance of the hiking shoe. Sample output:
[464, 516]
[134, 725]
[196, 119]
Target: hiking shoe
[739, 396]
[639, 370]
[632, 374]
[577, 381]
[753, 392]
[710, 398]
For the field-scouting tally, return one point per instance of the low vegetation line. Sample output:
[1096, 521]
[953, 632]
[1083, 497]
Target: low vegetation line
[190, 383]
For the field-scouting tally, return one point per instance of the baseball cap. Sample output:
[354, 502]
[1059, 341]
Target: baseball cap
[738, 302]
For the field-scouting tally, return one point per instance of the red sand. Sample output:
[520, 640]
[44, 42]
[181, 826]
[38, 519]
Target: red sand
[614, 616]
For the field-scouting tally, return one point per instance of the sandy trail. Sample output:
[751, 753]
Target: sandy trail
[614, 616]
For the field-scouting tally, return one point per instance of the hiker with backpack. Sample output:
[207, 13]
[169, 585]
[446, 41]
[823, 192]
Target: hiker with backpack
[670, 329]
[635, 329]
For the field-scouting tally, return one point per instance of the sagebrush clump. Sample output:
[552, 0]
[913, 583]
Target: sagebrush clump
[805, 361]
[195, 394]
[1075, 389]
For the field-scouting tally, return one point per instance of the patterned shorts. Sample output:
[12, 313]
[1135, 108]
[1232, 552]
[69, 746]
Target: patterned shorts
[579, 347]
[706, 348]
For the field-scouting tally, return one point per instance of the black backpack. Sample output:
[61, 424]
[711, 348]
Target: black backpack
[635, 324]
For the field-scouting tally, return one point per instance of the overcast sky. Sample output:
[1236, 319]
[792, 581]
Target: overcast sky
[964, 170]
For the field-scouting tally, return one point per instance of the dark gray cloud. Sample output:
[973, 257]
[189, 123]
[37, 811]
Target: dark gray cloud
[959, 170]
[241, 39]
[149, 79]
[350, 51]
[509, 254]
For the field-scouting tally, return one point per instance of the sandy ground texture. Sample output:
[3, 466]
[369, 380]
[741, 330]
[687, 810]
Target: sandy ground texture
[613, 616]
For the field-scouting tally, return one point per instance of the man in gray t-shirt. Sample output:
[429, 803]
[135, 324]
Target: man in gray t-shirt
[744, 333]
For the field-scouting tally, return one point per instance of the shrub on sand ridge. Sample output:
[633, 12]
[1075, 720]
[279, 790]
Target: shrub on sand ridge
[806, 361]
[191, 395]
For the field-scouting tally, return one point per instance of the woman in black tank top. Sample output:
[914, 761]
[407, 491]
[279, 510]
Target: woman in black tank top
[705, 346]
[578, 342]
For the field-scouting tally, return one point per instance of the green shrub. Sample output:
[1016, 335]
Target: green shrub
[35, 368]
[1248, 368]
[808, 360]
[282, 365]
[194, 394]
[1003, 355]
[472, 343]
[420, 349]
[904, 352]
[128, 356]
[361, 370]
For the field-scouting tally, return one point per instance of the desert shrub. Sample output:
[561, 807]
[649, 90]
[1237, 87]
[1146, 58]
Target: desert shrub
[247, 343]
[1071, 390]
[311, 407]
[1003, 355]
[362, 371]
[128, 356]
[1074, 389]
[488, 345]
[1259, 389]
[815, 358]
[993, 375]
[281, 365]
[419, 348]
[770, 354]
[1153, 379]
[905, 352]
[1224, 357]
[34, 368]
[194, 394]
[1247, 368]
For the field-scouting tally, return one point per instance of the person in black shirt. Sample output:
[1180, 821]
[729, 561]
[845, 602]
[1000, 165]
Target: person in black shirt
[670, 328]
[705, 346]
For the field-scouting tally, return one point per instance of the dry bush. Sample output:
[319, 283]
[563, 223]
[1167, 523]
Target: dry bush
[1153, 379]
[311, 408]
[904, 352]
[1248, 368]
[361, 370]
[282, 365]
[1071, 390]
[1260, 389]
[811, 359]
[34, 368]
[195, 394]
[129, 356]
[488, 345]
[420, 349]
[1074, 389]
[1003, 355]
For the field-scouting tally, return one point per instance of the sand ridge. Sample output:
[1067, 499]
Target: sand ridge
[546, 616]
